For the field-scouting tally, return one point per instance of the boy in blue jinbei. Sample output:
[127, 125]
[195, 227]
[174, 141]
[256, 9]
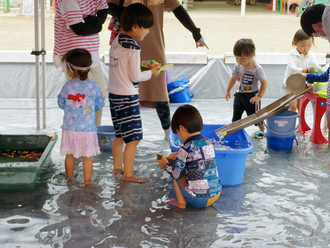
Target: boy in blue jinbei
[194, 171]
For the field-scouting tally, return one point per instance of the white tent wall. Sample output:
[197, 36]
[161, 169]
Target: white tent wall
[208, 81]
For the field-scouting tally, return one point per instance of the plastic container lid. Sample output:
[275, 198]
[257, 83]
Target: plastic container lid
[322, 93]
[320, 84]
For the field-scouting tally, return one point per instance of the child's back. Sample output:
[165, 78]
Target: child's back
[194, 172]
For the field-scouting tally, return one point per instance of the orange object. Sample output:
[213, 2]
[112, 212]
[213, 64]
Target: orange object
[33, 155]
[319, 108]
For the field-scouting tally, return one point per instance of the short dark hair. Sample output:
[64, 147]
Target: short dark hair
[244, 47]
[136, 13]
[81, 58]
[310, 16]
[189, 117]
[300, 35]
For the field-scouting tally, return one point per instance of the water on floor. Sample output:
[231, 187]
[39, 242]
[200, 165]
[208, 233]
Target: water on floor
[282, 202]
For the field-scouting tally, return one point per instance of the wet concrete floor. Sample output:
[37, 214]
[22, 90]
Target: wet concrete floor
[282, 202]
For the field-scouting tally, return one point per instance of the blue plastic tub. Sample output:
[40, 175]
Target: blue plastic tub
[182, 95]
[280, 143]
[106, 135]
[230, 163]
[283, 124]
[178, 91]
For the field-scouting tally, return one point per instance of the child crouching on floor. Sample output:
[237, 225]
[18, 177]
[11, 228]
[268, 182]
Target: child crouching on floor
[194, 171]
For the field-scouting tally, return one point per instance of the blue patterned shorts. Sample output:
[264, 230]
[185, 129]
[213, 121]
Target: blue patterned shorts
[126, 118]
[197, 202]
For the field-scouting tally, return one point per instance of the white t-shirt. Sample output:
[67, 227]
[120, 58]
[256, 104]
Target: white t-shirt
[70, 12]
[297, 62]
[124, 66]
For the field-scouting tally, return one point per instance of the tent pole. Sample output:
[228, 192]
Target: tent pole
[48, 5]
[43, 58]
[36, 44]
[243, 3]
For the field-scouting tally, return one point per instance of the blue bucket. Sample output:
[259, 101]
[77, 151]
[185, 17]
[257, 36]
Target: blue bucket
[283, 124]
[181, 95]
[280, 143]
[178, 91]
[106, 136]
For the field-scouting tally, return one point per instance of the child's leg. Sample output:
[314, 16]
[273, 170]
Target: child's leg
[294, 104]
[238, 107]
[163, 112]
[129, 159]
[325, 124]
[298, 103]
[88, 169]
[181, 202]
[117, 153]
[261, 127]
[69, 166]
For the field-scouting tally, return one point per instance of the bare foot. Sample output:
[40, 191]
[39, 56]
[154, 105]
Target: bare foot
[135, 179]
[117, 171]
[174, 203]
[88, 182]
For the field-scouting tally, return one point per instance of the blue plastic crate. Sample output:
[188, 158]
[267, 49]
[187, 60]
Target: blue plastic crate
[230, 163]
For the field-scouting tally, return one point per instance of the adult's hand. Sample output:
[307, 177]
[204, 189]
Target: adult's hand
[201, 43]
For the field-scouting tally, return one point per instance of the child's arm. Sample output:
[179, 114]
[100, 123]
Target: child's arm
[231, 84]
[177, 168]
[60, 101]
[312, 63]
[261, 93]
[134, 68]
[162, 162]
[99, 98]
[172, 155]
[60, 98]
[320, 77]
